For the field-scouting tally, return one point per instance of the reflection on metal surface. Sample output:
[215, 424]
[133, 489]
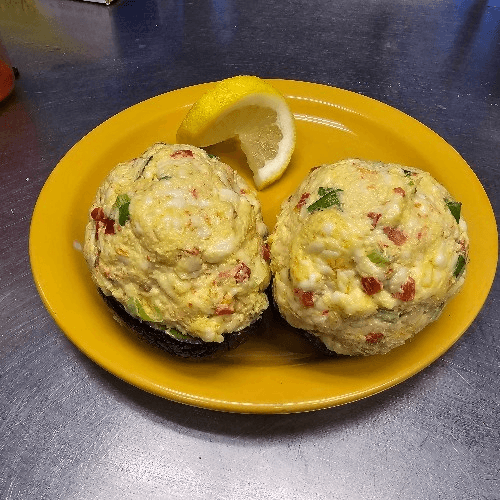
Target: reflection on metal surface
[224, 19]
[466, 35]
[77, 30]
[107, 2]
[157, 31]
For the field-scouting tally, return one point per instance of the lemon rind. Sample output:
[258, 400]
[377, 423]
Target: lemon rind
[207, 110]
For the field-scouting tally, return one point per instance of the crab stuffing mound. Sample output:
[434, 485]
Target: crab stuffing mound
[177, 238]
[366, 254]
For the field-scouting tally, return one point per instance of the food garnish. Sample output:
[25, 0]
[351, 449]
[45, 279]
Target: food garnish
[455, 208]
[122, 203]
[460, 266]
[254, 112]
[378, 258]
[328, 199]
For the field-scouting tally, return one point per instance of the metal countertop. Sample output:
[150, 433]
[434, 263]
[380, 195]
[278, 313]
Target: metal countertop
[69, 429]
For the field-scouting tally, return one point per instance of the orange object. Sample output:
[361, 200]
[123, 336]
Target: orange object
[6, 80]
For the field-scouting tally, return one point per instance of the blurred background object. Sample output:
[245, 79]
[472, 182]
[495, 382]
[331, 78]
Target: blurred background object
[6, 80]
[7, 74]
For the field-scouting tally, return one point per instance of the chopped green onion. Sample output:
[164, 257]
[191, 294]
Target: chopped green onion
[455, 207]
[165, 178]
[122, 203]
[328, 198]
[378, 258]
[408, 173]
[459, 266]
[212, 156]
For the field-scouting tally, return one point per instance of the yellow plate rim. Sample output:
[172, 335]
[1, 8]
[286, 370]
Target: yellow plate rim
[60, 192]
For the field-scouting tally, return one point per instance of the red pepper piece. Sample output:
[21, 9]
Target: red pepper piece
[374, 337]
[371, 285]
[223, 309]
[223, 274]
[97, 213]
[395, 235]
[266, 252]
[302, 200]
[374, 217]
[109, 224]
[407, 292]
[242, 272]
[182, 153]
[400, 190]
[422, 233]
[307, 298]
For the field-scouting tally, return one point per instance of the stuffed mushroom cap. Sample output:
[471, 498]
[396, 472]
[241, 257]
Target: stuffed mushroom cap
[176, 238]
[366, 254]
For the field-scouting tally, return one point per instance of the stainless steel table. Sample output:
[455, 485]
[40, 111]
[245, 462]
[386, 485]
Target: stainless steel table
[70, 430]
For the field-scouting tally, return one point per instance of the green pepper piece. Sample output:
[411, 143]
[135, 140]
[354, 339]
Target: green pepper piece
[378, 258]
[459, 266]
[138, 310]
[176, 334]
[142, 313]
[328, 198]
[172, 332]
[122, 203]
[131, 307]
[455, 207]
[437, 311]
[135, 308]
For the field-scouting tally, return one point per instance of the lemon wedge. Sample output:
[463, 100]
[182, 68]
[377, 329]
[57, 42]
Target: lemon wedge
[252, 110]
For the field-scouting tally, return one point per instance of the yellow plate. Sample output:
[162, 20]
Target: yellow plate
[274, 372]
